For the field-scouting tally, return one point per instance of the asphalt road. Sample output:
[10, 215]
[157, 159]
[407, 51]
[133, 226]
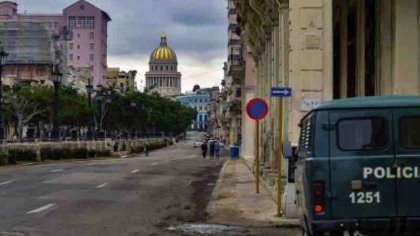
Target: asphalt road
[135, 196]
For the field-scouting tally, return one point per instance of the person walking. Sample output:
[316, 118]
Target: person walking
[212, 143]
[217, 150]
[145, 150]
[204, 149]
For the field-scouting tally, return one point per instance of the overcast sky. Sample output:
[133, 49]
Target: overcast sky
[196, 30]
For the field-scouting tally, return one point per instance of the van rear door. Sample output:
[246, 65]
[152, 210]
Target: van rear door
[407, 136]
[361, 156]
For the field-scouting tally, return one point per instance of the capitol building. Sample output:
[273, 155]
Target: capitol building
[163, 76]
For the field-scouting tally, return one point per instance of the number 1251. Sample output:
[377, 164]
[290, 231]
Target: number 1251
[365, 197]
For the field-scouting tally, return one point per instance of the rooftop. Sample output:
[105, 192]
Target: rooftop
[371, 102]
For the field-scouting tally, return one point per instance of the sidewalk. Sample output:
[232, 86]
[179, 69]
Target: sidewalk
[234, 200]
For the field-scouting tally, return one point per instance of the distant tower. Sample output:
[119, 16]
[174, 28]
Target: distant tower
[163, 76]
[196, 87]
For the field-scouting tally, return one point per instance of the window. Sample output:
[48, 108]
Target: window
[91, 35]
[81, 22]
[78, 57]
[305, 140]
[78, 35]
[91, 57]
[409, 135]
[90, 22]
[71, 46]
[72, 22]
[78, 46]
[71, 57]
[92, 46]
[362, 134]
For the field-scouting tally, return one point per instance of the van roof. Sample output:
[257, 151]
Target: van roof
[371, 102]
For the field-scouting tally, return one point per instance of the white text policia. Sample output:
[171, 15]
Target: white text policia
[406, 172]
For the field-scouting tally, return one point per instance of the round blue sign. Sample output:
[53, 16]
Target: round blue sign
[257, 109]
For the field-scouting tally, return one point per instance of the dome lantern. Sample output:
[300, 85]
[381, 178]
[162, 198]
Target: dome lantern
[163, 52]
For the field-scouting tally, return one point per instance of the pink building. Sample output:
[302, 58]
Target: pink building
[88, 26]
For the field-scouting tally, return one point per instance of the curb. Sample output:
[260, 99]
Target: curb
[218, 183]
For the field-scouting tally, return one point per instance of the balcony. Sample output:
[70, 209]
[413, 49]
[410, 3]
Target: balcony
[234, 42]
[235, 106]
[236, 68]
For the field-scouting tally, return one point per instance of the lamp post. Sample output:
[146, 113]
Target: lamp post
[56, 76]
[3, 56]
[89, 90]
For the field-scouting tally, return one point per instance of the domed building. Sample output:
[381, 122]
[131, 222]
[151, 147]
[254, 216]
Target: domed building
[163, 76]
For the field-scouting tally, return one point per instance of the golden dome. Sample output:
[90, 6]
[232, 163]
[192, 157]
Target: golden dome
[163, 52]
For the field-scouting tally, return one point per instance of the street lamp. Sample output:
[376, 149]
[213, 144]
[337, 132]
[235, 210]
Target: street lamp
[56, 76]
[3, 56]
[89, 90]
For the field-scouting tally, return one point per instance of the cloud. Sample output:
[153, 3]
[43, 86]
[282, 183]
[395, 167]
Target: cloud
[196, 29]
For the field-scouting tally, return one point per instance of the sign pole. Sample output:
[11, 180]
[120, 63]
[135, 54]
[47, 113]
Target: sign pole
[258, 157]
[257, 109]
[280, 161]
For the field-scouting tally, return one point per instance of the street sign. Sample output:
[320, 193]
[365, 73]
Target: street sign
[257, 109]
[281, 92]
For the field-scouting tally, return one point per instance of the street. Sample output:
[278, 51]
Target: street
[135, 196]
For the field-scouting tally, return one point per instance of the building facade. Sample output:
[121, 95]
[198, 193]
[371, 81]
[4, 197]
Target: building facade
[88, 44]
[31, 52]
[324, 49]
[200, 101]
[81, 30]
[121, 80]
[163, 76]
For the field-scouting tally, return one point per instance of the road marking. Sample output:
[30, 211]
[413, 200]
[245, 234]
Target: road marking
[43, 208]
[154, 164]
[102, 185]
[91, 164]
[7, 182]
[135, 171]
[56, 170]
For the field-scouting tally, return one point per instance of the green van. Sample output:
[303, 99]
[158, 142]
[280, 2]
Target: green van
[358, 167]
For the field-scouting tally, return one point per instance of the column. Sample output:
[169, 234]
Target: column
[406, 61]
[344, 9]
[311, 57]
[360, 45]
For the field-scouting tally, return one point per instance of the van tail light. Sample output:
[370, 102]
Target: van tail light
[318, 200]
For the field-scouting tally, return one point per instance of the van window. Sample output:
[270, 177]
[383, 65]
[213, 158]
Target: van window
[305, 141]
[362, 134]
[409, 132]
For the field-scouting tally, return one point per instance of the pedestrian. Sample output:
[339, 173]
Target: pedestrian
[204, 149]
[145, 150]
[212, 149]
[217, 150]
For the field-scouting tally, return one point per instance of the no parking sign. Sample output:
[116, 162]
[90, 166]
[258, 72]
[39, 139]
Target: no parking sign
[257, 109]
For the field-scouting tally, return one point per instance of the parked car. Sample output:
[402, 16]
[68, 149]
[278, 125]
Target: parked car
[358, 167]
[198, 143]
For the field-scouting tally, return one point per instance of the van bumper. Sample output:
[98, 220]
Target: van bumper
[402, 226]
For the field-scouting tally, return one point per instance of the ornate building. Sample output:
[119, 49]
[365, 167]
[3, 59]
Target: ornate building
[163, 76]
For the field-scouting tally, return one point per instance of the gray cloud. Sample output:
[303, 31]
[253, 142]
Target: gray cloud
[195, 28]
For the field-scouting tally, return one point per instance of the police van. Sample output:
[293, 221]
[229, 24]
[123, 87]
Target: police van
[358, 167]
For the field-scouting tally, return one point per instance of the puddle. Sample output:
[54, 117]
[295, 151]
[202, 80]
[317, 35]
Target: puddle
[212, 229]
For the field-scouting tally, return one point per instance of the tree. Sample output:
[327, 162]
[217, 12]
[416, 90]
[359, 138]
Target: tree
[22, 106]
